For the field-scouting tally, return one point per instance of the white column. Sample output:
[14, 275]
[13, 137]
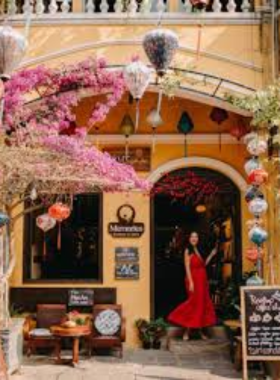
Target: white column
[217, 6]
[104, 7]
[53, 7]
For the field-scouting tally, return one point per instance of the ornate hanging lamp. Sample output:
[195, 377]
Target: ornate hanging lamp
[45, 223]
[59, 211]
[219, 115]
[127, 129]
[160, 46]
[137, 78]
[155, 120]
[185, 126]
[13, 46]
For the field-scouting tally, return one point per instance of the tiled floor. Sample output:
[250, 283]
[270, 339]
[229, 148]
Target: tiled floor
[187, 361]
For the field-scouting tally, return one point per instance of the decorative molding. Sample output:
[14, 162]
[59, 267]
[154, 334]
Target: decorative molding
[101, 44]
[166, 139]
[204, 162]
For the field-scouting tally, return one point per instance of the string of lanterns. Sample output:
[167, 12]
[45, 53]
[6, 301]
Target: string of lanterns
[257, 205]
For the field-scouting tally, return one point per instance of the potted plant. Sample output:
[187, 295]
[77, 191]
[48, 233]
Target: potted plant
[151, 332]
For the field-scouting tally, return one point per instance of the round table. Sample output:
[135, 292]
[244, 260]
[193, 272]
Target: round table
[71, 332]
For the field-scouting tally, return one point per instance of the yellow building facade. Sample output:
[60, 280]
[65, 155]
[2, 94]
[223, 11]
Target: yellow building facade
[233, 58]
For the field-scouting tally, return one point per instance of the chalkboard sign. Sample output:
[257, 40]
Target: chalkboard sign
[80, 297]
[127, 271]
[126, 254]
[260, 309]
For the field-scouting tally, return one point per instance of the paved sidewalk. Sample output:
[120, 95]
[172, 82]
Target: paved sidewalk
[136, 365]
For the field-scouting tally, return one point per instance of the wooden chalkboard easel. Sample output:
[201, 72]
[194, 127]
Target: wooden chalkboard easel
[260, 306]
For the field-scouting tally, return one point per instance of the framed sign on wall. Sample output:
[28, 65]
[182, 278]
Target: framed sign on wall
[127, 271]
[126, 254]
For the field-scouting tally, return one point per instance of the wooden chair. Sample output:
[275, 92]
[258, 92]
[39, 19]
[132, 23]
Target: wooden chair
[37, 330]
[100, 339]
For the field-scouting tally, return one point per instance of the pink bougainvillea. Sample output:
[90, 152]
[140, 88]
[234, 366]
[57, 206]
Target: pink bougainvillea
[44, 147]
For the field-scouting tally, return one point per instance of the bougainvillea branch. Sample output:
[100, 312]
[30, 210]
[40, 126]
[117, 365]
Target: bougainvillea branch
[189, 186]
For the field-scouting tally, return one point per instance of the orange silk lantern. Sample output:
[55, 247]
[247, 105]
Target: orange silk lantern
[258, 177]
[254, 253]
[59, 211]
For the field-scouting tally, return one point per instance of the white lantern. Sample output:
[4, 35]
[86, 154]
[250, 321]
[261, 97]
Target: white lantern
[256, 147]
[258, 206]
[13, 46]
[251, 165]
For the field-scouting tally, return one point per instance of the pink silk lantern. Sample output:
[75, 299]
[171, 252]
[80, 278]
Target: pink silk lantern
[45, 223]
[59, 211]
[258, 177]
[238, 131]
[254, 254]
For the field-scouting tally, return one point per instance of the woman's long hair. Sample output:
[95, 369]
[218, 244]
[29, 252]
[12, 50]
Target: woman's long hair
[190, 247]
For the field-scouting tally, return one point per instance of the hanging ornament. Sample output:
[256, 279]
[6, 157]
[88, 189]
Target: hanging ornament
[258, 177]
[253, 192]
[137, 78]
[4, 219]
[13, 46]
[127, 129]
[258, 235]
[249, 137]
[239, 130]
[219, 115]
[254, 254]
[199, 4]
[257, 147]
[251, 165]
[255, 280]
[185, 126]
[45, 223]
[154, 119]
[258, 206]
[160, 46]
[59, 211]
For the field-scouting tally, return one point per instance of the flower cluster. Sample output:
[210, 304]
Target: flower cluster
[185, 187]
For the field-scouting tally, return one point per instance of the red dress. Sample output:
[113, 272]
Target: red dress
[198, 310]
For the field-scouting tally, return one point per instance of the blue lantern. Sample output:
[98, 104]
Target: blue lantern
[4, 219]
[258, 235]
[185, 126]
[253, 192]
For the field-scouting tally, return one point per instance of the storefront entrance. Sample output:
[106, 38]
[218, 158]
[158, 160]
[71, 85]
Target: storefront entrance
[202, 200]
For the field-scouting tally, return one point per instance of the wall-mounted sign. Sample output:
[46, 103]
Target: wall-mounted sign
[260, 308]
[138, 157]
[127, 271]
[80, 297]
[126, 254]
[126, 227]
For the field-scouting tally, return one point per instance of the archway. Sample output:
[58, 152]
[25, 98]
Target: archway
[175, 217]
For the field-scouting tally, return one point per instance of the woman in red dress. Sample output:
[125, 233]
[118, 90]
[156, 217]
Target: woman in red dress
[197, 311]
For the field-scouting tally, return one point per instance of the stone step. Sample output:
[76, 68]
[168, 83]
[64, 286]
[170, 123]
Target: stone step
[199, 347]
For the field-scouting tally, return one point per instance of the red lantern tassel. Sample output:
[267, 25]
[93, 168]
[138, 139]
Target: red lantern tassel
[59, 236]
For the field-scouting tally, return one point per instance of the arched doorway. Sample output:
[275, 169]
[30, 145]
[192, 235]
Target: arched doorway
[216, 217]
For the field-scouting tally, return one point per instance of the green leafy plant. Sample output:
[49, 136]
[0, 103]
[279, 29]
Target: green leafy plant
[150, 332]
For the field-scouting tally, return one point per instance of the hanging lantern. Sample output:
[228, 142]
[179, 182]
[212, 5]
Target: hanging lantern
[200, 209]
[33, 194]
[127, 129]
[258, 206]
[219, 115]
[253, 192]
[258, 235]
[255, 280]
[199, 4]
[155, 120]
[45, 223]
[238, 131]
[13, 46]
[258, 177]
[185, 126]
[4, 219]
[257, 147]
[251, 165]
[59, 211]
[249, 137]
[137, 78]
[160, 46]
[254, 254]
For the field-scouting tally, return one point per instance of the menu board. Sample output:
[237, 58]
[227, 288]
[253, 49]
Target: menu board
[260, 309]
[80, 297]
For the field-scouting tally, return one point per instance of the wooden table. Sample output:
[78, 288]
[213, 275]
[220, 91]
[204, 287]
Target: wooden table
[71, 332]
